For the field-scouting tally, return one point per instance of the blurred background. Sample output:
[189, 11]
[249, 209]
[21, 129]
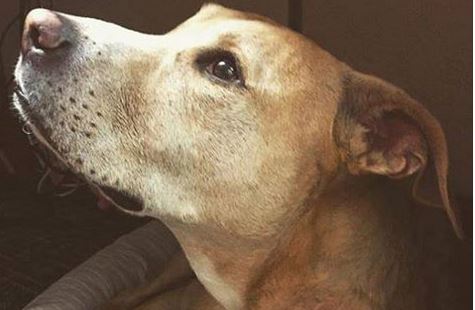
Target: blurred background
[423, 46]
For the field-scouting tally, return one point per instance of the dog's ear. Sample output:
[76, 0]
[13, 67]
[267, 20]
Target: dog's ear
[380, 129]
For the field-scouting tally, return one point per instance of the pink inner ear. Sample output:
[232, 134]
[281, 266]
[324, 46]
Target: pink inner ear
[399, 140]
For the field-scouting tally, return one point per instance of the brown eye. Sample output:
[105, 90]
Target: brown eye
[225, 69]
[221, 67]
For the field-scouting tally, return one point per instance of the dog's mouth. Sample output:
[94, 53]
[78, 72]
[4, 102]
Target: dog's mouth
[121, 199]
[107, 194]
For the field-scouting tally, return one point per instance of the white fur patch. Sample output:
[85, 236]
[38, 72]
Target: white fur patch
[215, 284]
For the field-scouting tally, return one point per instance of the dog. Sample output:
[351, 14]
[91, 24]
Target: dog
[290, 180]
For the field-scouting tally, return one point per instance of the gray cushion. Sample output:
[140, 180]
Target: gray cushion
[130, 261]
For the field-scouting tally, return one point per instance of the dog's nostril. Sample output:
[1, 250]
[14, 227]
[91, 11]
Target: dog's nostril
[43, 30]
[34, 35]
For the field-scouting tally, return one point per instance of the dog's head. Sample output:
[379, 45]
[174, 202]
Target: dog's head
[229, 119]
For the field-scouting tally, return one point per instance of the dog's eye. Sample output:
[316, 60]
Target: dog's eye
[220, 66]
[224, 69]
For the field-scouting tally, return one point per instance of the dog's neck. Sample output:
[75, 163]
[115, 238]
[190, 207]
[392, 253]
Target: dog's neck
[336, 254]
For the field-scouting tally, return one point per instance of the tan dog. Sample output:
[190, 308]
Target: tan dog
[275, 165]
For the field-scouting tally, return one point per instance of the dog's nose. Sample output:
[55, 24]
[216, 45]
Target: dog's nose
[43, 30]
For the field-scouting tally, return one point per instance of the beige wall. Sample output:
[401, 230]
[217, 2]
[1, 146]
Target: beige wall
[423, 46]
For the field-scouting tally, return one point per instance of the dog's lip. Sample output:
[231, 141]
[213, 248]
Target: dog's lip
[20, 94]
[120, 198]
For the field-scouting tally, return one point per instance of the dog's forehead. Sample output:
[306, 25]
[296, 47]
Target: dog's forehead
[214, 23]
[213, 11]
